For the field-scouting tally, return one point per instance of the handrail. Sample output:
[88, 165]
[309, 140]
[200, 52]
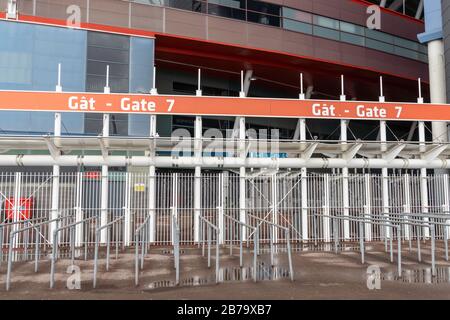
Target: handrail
[97, 235]
[72, 244]
[176, 247]
[13, 234]
[241, 240]
[143, 227]
[3, 225]
[288, 242]
[209, 227]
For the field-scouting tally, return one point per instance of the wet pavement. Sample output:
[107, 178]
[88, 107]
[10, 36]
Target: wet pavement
[318, 274]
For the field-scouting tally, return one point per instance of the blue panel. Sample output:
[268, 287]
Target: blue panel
[433, 21]
[29, 57]
[141, 80]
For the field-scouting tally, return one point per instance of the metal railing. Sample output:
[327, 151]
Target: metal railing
[55, 250]
[141, 237]
[108, 242]
[205, 224]
[287, 239]
[255, 232]
[176, 247]
[12, 236]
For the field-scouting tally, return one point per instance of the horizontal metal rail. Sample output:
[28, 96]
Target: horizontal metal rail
[138, 238]
[108, 242]
[288, 242]
[13, 234]
[72, 244]
[209, 228]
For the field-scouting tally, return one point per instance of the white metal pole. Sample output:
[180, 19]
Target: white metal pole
[154, 90]
[343, 96]
[127, 211]
[242, 177]
[242, 92]
[198, 133]
[56, 168]
[345, 183]
[152, 182]
[302, 93]
[438, 92]
[326, 209]
[304, 187]
[367, 207]
[199, 85]
[407, 209]
[104, 186]
[382, 97]
[78, 210]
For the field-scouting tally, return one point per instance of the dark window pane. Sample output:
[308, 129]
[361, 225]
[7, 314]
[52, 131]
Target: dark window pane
[263, 19]
[226, 12]
[108, 55]
[263, 7]
[106, 40]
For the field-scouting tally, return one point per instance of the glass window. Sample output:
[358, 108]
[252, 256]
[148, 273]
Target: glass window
[406, 43]
[378, 45]
[406, 53]
[263, 19]
[226, 12]
[263, 7]
[236, 4]
[326, 33]
[352, 38]
[352, 28]
[297, 15]
[326, 22]
[297, 26]
[380, 36]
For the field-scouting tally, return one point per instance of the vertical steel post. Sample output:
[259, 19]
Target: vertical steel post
[345, 181]
[242, 175]
[198, 134]
[104, 186]
[326, 209]
[367, 208]
[304, 186]
[127, 233]
[78, 210]
[385, 181]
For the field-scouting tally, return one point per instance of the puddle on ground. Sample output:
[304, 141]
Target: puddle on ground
[265, 272]
[420, 276]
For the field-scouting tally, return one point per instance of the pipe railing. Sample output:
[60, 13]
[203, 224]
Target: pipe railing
[12, 236]
[176, 247]
[71, 228]
[210, 227]
[108, 242]
[241, 243]
[141, 236]
[287, 238]
[8, 224]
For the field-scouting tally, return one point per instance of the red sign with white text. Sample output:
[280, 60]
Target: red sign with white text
[216, 106]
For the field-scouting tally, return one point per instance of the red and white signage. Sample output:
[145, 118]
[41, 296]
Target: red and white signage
[216, 106]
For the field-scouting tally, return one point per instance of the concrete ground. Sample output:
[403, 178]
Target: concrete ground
[318, 275]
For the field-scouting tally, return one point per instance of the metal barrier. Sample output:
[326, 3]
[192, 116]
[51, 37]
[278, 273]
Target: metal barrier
[9, 224]
[55, 250]
[108, 241]
[287, 239]
[241, 240]
[13, 234]
[143, 239]
[176, 247]
[204, 223]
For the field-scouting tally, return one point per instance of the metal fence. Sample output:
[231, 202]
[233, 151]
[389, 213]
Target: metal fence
[302, 203]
